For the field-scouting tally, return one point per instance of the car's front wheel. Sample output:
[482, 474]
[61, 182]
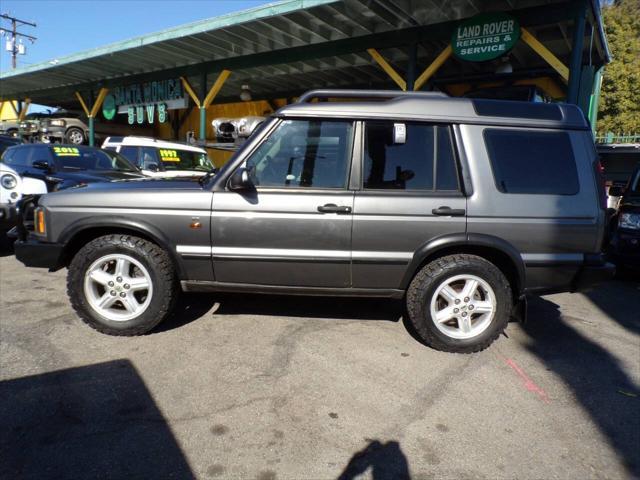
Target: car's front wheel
[459, 303]
[122, 285]
[75, 136]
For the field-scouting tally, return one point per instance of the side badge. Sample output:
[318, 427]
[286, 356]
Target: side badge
[195, 223]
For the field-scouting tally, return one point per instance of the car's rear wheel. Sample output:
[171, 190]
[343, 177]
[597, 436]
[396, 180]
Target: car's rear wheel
[122, 285]
[75, 136]
[459, 303]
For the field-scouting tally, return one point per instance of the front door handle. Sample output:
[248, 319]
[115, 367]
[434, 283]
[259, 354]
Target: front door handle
[333, 208]
[448, 211]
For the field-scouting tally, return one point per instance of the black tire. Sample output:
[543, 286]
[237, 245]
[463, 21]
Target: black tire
[75, 136]
[424, 286]
[12, 132]
[151, 256]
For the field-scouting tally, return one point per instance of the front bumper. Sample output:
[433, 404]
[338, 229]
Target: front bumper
[625, 248]
[8, 215]
[49, 134]
[594, 270]
[37, 254]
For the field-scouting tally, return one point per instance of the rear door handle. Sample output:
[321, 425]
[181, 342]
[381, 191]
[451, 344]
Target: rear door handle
[333, 208]
[448, 211]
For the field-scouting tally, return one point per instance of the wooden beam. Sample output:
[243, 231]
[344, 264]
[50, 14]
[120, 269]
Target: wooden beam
[545, 53]
[395, 76]
[96, 106]
[25, 108]
[433, 68]
[189, 89]
[84, 105]
[224, 74]
[13, 107]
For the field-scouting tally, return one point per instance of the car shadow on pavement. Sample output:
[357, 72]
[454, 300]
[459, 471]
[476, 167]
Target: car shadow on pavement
[343, 308]
[386, 460]
[598, 381]
[6, 245]
[618, 301]
[97, 421]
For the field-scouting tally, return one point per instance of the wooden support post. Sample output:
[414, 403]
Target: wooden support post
[25, 109]
[91, 113]
[433, 68]
[545, 53]
[395, 76]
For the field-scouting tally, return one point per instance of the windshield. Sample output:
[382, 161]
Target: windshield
[74, 158]
[184, 160]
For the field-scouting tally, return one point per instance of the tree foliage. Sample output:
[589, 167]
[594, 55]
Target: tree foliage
[619, 108]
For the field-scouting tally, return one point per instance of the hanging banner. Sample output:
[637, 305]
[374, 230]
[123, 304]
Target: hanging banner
[485, 37]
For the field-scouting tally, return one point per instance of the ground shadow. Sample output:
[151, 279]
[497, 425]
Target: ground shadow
[621, 302]
[596, 378]
[98, 421]
[386, 460]
[343, 308]
[189, 307]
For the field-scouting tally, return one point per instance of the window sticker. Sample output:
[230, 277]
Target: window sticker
[66, 151]
[169, 155]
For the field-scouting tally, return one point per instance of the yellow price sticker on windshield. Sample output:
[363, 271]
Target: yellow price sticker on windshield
[66, 151]
[169, 155]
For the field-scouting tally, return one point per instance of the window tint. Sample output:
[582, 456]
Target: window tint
[425, 155]
[19, 157]
[131, 154]
[173, 159]
[300, 153]
[532, 162]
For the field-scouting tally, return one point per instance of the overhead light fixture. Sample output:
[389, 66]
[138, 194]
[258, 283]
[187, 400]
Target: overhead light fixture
[245, 93]
[505, 66]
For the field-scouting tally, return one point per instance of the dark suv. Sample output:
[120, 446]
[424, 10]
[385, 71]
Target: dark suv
[625, 239]
[458, 206]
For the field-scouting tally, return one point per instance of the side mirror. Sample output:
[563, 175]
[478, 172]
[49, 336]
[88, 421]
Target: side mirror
[616, 191]
[153, 167]
[240, 180]
[41, 165]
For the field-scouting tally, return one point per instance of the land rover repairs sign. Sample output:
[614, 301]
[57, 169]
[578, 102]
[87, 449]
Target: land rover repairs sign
[485, 37]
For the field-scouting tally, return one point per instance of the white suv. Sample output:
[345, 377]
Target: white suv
[158, 158]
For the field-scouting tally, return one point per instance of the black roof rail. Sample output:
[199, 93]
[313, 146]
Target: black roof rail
[388, 94]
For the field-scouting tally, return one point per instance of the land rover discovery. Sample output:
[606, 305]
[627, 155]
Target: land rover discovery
[458, 206]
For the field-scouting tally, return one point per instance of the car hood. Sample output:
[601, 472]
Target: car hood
[143, 193]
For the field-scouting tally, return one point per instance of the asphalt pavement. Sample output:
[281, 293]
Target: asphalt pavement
[273, 387]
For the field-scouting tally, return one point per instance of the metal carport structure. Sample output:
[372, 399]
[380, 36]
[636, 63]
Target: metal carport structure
[283, 49]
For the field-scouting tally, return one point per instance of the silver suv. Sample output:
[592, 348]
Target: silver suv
[458, 206]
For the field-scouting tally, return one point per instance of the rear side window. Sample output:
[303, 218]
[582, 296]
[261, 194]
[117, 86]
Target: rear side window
[532, 162]
[424, 161]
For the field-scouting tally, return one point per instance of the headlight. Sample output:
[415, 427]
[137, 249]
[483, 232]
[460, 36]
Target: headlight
[9, 182]
[630, 221]
[57, 123]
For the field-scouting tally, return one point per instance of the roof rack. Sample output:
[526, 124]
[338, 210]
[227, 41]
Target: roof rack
[388, 94]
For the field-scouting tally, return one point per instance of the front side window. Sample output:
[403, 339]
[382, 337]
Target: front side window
[18, 157]
[420, 159]
[304, 154]
[529, 162]
[149, 159]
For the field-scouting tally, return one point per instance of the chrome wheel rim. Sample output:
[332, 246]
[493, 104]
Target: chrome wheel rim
[463, 306]
[76, 137]
[118, 287]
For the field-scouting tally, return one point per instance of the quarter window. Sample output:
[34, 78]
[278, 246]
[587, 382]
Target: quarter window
[301, 153]
[422, 160]
[532, 162]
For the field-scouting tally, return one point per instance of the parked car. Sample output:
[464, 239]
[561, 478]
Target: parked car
[444, 202]
[64, 126]
[29, 127]
[12, 189]
[159, 158]
[7, 141]
[9, 127]
[233, 130]
[64, 166]
[624, 248]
